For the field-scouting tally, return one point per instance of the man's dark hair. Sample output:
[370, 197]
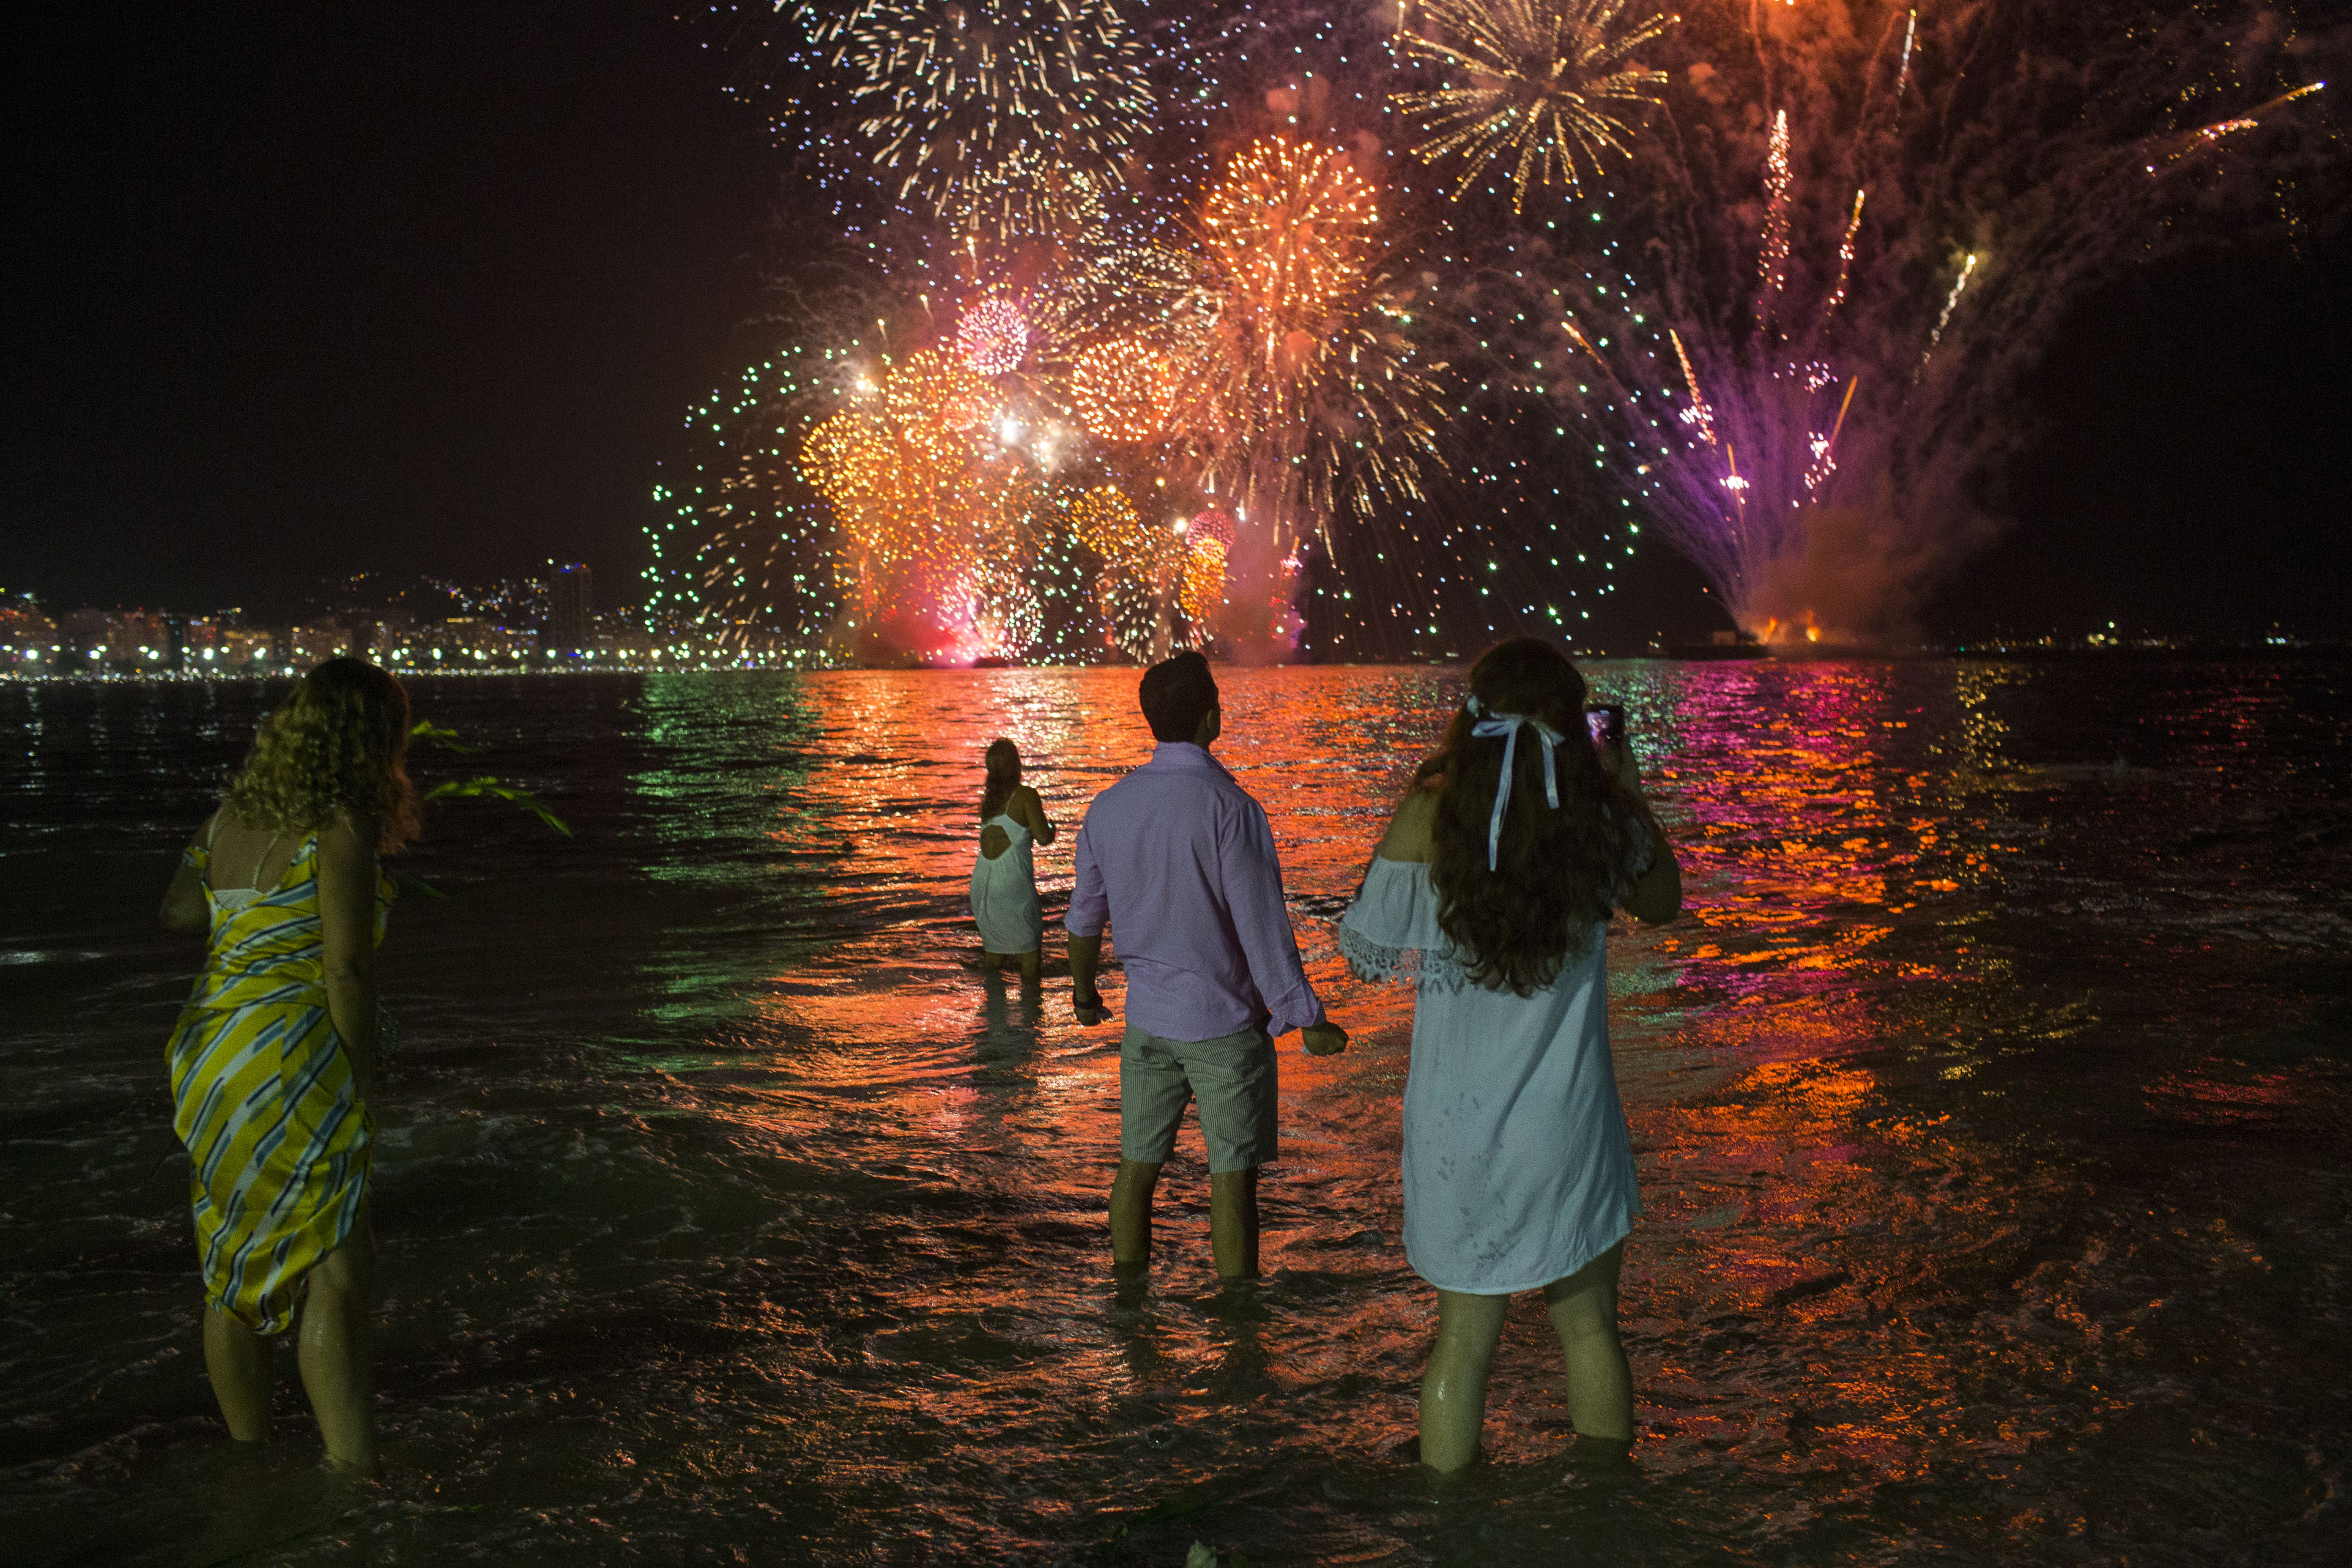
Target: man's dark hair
[1177, 695]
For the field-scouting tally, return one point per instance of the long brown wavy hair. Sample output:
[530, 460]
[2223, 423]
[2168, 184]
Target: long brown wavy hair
[341, 740]
[1004, 763]
[1558, 871]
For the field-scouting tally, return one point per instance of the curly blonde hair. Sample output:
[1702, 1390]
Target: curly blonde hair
[341, 740]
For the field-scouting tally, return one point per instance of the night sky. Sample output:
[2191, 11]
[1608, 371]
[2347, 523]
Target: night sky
[300, 291]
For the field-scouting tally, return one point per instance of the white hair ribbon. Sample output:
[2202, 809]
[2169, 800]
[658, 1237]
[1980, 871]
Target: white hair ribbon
[1507, 726]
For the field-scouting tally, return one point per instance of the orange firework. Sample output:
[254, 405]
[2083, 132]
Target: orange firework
[1211, 535]
[1140, 564]
[937, 400]
[1294, 381]
[1122, 391]
[1204, 581]
[1291, 225]
[918, 495]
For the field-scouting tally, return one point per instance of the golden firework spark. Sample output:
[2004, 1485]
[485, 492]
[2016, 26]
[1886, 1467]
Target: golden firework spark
[1542, 83]
[1140, 566]
[1122, 391]
[1009, 116]
[1204, 581]
[1292, 368]
[920, 495]
[1292, 227]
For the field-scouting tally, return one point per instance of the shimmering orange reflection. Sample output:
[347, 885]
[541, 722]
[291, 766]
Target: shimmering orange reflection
[896, 1015]
[1828, 814]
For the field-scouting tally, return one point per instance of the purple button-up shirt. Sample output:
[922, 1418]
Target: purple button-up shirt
[1179, 860]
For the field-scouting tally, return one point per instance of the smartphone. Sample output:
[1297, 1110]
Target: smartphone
[1607, 724]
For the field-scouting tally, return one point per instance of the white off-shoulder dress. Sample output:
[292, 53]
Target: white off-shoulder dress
[1004, 893]
[1517, 1167]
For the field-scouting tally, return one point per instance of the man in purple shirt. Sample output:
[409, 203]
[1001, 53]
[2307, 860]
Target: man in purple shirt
[1179, 859]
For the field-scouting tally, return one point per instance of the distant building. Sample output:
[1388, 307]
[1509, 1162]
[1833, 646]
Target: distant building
[571, 608]
[28, 639]
[113, 642]
[139, 642]
[319, 641]
[240, 647]
[84, 635]
[464, 642]
[220, 643]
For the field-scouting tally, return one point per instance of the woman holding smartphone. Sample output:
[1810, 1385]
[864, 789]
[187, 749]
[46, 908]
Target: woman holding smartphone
[1491, 891]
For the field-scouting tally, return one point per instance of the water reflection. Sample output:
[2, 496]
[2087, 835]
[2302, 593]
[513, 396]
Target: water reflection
[1986, 1103]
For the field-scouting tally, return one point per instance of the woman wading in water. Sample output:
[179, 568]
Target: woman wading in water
[1005, 877]
[273, 1059]
[1492, 890]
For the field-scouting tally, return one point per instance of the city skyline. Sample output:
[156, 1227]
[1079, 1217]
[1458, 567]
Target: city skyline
[513, 626]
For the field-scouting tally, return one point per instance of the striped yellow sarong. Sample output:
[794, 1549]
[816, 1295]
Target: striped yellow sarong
[265, 1102]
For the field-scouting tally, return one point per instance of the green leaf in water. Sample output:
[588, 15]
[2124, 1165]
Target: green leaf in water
[426, 729]
[462, 788]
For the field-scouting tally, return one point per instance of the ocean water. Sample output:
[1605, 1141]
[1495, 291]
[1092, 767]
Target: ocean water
[1990, 1101]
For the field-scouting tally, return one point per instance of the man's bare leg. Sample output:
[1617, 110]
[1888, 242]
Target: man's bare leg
[1032, 964]
[1233, 1223]
[992, 961]
[238, 1360]
[1130, 1211]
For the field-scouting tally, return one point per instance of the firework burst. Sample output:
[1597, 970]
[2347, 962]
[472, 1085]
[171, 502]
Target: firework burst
[1292, 228]
[1805, 410]
[1209, 538]
[1122, 390]
[923, 499]
[1264, 364]
[1001, 117]
[1542, 86]
[1297, 385]
[993, 337]
[745, 554]
[1141, 564]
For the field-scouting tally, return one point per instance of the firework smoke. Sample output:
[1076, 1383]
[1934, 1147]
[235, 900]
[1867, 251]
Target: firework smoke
[1794, 334]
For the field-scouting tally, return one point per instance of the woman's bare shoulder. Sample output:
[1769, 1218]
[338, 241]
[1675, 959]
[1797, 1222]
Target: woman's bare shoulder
[1411, 831]
[349, 832]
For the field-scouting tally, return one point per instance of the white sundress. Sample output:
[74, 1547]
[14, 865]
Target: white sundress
[1517, 1167]
[1004, 893]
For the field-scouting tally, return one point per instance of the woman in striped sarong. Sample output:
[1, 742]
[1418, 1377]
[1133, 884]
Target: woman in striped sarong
[273, 1059]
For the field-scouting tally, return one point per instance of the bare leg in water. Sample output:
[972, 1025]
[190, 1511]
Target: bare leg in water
[1233, 1218]
[238, 1362]
[1032, 963]
[335, 1340]
[337, 1352]
[1583, 1311]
